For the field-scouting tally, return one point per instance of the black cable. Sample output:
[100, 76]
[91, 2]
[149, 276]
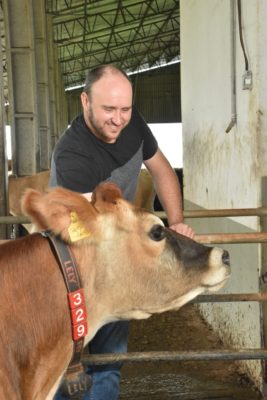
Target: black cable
[241, 34]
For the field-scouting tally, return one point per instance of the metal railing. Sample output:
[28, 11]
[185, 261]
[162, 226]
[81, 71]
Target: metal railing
[240, 212]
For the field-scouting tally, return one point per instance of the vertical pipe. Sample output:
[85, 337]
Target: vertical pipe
[233, 67]
[41, 62]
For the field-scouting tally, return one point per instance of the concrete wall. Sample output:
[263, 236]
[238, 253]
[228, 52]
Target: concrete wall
[225, 170]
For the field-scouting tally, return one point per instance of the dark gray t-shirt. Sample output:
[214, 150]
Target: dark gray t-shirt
[81, 161]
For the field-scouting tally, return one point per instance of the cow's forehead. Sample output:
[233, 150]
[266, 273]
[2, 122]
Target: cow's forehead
[128, 210]
[154, 219]
[128, 219]
[145, 218]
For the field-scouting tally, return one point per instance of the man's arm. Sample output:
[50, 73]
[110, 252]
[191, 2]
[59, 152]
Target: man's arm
[168, 189]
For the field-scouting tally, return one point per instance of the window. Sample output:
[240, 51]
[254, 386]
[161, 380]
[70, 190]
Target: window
[170, 141]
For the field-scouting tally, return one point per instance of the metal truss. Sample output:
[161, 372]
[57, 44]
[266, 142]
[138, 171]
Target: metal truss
[130, 33]
[134, 34]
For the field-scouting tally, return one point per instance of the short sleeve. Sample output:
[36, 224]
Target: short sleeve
[74, 173]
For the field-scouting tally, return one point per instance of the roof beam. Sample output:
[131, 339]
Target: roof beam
[153, 19]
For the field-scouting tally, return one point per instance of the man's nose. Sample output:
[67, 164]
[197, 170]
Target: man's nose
[117, 118]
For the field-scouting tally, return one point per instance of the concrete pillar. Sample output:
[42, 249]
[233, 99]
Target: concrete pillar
[62, 102]
[41, 58]
[18, 15]
[60, 98]
[52, 81]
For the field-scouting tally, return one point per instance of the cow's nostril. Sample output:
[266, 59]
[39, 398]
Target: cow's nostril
[226, 257]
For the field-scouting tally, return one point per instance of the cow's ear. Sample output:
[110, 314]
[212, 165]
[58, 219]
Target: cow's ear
[105, 196]
[65, 213]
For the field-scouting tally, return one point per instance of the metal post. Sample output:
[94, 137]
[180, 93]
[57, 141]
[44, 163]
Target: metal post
[3, 154]
[241, 212]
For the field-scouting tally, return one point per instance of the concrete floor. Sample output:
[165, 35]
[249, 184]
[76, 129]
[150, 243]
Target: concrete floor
[200, 380]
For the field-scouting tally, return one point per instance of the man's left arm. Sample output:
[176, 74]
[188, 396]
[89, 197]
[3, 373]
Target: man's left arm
[168, 190]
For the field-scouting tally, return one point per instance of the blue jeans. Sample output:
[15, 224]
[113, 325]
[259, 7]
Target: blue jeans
[111, 338]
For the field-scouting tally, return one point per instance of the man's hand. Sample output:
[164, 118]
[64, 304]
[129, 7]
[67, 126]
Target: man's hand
[184, 229]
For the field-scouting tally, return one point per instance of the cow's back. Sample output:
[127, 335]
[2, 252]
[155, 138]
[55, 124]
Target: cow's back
[18, 185]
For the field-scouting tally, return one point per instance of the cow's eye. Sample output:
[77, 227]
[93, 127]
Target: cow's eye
[157, 233]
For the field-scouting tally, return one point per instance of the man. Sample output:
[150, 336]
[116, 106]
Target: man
[109, 142]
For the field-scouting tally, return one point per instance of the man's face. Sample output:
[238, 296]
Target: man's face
[109, 108]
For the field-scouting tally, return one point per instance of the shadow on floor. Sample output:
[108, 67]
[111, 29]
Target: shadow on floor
[187, 380]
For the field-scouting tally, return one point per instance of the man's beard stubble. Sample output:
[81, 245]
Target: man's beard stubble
[98, 131]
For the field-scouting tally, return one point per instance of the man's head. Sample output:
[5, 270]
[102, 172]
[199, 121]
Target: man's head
[107, 102]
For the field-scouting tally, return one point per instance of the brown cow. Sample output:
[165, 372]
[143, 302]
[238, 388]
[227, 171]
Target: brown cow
[131, 266]
[18, 185]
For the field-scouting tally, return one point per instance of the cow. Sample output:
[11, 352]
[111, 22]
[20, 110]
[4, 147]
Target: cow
[131, 267]
[144, 197]
[16, 188]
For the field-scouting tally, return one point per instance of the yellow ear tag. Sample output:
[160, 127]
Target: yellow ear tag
[76, 229]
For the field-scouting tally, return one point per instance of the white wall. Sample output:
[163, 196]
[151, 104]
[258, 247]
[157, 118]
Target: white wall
[224, 170]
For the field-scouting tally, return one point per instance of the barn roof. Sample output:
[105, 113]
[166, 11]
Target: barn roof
[134, 34]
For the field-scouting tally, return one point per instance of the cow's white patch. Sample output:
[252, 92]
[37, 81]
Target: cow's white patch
[173, 305]
[218, 271]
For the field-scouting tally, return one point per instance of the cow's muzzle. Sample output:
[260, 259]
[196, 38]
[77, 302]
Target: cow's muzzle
[226, 258]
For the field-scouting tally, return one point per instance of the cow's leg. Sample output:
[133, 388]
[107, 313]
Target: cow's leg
[48, 372]
[52, 392]
[39, 386]
[7, 390]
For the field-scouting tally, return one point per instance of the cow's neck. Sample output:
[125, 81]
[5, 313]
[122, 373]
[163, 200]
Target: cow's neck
[78, 313]
[95, 290]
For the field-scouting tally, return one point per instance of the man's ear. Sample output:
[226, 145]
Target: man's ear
[84, 100]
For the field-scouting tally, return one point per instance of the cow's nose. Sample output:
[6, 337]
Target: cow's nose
[226, 257]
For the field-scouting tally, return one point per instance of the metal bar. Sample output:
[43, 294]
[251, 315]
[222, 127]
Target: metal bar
[14, 220]
[240, 354]
[229, 297]
[254, 237]
[241, 212]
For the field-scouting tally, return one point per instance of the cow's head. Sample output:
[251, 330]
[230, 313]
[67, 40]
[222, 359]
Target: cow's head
[139, 266]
